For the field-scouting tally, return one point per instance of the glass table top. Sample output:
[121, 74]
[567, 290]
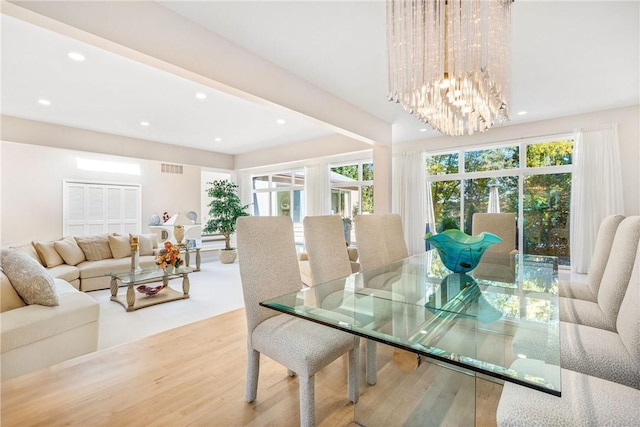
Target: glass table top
[148, 274]
[464, 320]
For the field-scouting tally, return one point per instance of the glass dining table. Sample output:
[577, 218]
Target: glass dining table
[462, 323]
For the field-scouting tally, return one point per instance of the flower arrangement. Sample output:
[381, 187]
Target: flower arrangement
[170, 255]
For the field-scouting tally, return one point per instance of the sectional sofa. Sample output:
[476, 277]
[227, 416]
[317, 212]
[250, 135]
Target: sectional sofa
[85, 261]
[45, 318]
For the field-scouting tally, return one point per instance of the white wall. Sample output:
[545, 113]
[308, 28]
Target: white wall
[32, 177]
[628, 120]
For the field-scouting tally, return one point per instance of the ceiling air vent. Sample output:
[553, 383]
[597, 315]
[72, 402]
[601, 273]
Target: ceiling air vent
[168, 168]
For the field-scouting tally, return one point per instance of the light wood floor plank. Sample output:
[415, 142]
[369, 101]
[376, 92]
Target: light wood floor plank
[194, 375]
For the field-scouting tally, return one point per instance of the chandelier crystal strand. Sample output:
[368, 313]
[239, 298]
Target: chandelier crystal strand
[449, 61]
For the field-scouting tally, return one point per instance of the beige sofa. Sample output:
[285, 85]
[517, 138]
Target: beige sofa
[85, 261]
[33, 335]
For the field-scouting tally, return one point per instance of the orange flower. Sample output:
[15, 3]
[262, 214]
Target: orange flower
[170, 255]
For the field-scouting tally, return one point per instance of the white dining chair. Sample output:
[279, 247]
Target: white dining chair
[268, 269]
[328, 260]
[603, 312]
[604, 240]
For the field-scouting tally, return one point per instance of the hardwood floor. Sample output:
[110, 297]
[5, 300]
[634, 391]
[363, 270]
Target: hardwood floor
[194, 375]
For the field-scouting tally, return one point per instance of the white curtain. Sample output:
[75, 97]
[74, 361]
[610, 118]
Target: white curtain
[245, 190]
[410, 198]
[317, 188]
[596, 190]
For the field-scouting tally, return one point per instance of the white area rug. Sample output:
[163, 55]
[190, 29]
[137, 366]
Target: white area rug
[214, 290]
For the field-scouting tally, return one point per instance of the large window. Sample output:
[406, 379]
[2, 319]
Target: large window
[351, 192]
[531, 179]
[280, 194]
[352, 189]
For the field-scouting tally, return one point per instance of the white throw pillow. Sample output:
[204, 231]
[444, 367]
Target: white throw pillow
[120, 246]
[29, 278]
[48, 254]
[69, 251]
[146, 243]
[30, 250]
[95, 247]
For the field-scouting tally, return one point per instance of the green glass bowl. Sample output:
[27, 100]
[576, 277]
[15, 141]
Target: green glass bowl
[459, 251]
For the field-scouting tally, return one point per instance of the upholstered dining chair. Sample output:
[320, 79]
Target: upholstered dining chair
[328, 260]
[370, 240]
[269, 268]
[604, 240]
[602, 314]
[394, 237]
[498, 262]
[600, 372]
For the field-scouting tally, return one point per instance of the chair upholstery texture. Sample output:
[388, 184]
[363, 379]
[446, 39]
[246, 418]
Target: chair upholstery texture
[615, 279]
[599, 259]
[584, 348]
[370, 239]
[269, 268]
[500, 224]
[585, 401]
[328, 259]
[613, 356]
[498, 261]
[325, 246]
[394, 237]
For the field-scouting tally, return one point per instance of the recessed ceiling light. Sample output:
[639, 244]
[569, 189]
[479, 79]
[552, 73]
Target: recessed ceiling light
[281, 121]
[423, 129]
[201, 95]
[217, 139]
[76, 56]
[44, 102]
[522, 113]
[145, 124]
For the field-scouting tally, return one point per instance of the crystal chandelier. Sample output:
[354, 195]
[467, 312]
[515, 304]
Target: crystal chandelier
[449, 61]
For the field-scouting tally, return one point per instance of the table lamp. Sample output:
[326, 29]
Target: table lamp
[178, 221]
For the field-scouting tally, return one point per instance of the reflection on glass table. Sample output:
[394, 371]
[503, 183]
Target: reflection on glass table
[452, 319]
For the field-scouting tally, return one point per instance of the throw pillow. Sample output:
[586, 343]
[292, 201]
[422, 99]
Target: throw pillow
[95, 247]
[48, 255]
[69, 251]
[30, 250]
[146, 243]
[29, 278]
[9, 298]
[120, 246]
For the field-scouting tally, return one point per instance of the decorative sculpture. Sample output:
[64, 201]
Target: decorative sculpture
[459, 251]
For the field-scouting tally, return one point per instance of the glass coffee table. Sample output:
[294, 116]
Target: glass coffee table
[149, 286]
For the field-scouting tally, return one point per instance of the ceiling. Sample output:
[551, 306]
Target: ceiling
[569, 57]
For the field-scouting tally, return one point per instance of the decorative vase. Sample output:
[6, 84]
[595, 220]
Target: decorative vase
[459, 251]
[178, 233]
[169, 269]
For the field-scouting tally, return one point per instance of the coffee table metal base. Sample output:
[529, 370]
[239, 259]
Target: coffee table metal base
[133, 300]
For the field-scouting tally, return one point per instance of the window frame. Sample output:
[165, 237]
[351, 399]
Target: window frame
[522, 172]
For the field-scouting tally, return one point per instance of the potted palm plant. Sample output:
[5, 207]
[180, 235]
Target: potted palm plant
[225, 208]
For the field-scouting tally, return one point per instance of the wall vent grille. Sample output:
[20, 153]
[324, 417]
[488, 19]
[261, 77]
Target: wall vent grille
[169, 168]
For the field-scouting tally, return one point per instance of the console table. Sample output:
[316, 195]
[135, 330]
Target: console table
[187, 258]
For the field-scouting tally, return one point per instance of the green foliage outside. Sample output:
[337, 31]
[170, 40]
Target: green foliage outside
[351, 171]
[224, 209]
[546, 199]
